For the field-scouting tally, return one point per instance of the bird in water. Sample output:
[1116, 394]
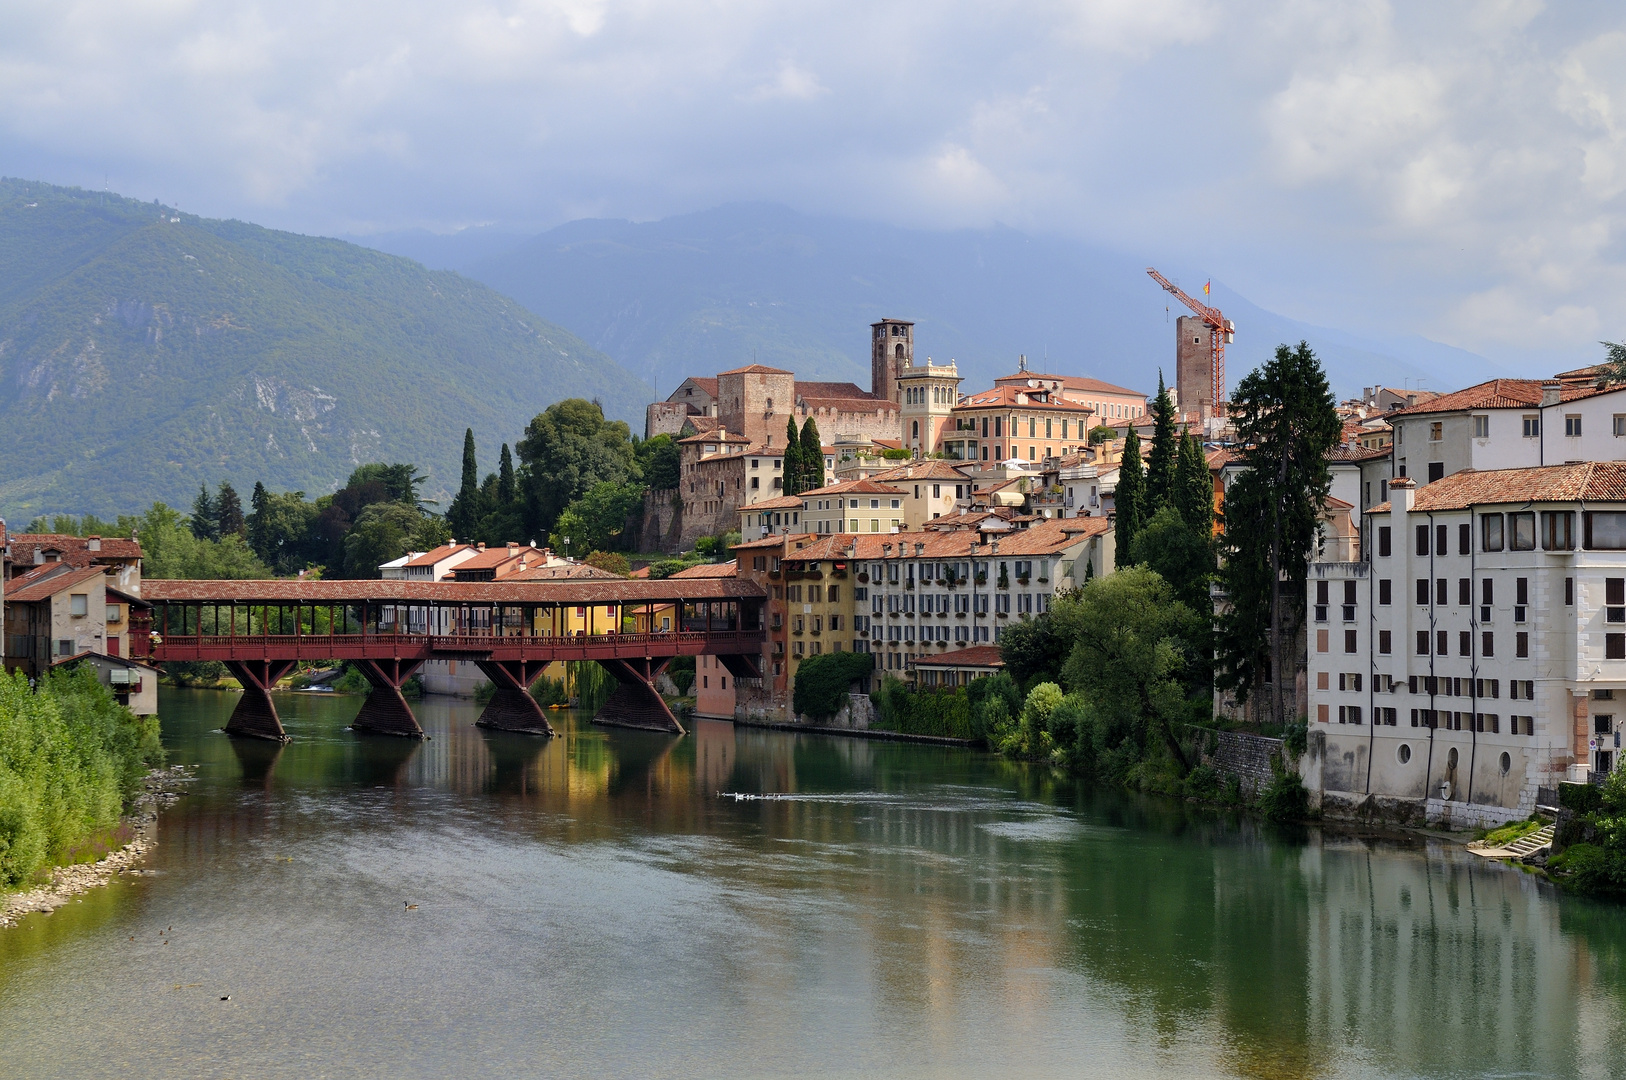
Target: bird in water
[410, 907]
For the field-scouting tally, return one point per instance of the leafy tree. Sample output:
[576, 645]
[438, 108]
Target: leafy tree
[1129, 501]
[1101, 433]
[229, 512]
[566, 450]
[791, 467]
[399, 482]
[386, 531]
[280, 530]
[467, 508]
[170, 549]
[1134, 660]
[1286, 423]
[810, 457]
[612, 561]
[1033, 649]
[1181, 556]
[1160, 463]
[1614, 364]
[823, 681]
[597, 520]
[1193, 493]
[68, 525]
[658, 459]
[205, 521]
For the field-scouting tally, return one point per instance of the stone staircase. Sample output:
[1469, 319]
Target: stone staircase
[1520, 848]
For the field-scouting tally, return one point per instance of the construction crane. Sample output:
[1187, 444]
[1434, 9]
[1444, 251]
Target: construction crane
[1223, 331]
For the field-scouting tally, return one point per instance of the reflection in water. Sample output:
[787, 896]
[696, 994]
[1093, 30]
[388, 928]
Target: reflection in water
[590, 905]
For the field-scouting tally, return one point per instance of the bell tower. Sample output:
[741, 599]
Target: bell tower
[892, 351]
[930, 394]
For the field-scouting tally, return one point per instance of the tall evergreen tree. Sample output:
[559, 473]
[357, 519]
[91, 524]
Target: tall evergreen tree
[791, 467]
[257, 503]
[1286, 421]
[507, 488]
[228, 512]
[1129, 502]
[1193, 492]
[1160, 463]
[205, 524]
[812, 457]
[465, 512]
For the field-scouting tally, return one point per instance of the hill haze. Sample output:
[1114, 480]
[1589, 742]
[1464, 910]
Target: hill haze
[709, 291]
[143, 351]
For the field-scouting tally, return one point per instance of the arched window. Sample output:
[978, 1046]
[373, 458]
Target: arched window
[915, 426]
[897, 351]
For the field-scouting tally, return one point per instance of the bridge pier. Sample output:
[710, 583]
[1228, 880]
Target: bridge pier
[255, 717]
[636, 703]
[386, 711]
[512, 708]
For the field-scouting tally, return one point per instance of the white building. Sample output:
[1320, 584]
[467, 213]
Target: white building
[1475, 654]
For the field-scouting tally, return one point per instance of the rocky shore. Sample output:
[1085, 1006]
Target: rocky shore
[163, 787]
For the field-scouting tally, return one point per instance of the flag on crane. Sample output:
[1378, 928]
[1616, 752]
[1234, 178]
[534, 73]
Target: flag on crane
[1206, 285]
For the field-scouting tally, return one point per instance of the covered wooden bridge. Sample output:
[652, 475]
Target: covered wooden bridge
[262, 629]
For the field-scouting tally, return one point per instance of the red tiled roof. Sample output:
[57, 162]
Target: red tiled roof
[784, 502]
[925, 469]
[709, 570]
[1591, 481]
[714, 436]
[704, 424]
[46, 581]
[974, 656]
[1356, 454]
[445, 551]
[75, 549]
[852, 487]
[568, 572]
[1070, 382]
[833, 390]
[496, 556]
[1005, 397]
[756, 369]
[709, 385]
[1498, 394]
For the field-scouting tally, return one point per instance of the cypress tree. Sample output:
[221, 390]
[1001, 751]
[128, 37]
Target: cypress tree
[1194, 487]
[259, 504]
[465, 512]
[1160, 463]
[205, 524]
[228, 512]
[791, 468]
[812, 457]
[1129, 501]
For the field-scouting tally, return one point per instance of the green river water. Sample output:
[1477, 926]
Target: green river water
[591, 906]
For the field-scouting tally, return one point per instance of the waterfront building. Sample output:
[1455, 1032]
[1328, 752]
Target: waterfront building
[959, 667]
[1477, 653]
[58, 614]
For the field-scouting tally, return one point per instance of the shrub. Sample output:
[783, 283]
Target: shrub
[1285, 797]
[681, 672]
[944, 713]
[612, 561]
[822, 681]
[71, 760]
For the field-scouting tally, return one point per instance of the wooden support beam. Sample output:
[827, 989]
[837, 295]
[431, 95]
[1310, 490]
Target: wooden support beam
[386, 711]
[512, 708]
[255, 717]
[636, 703]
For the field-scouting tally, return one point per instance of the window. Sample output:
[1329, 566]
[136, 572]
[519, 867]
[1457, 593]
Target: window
[114, 614]
[1487, 591]
[1614, 647]
[1422, 592]
[1349, 641]
[1442, 592]
[1436, 431]
[64, 647]
[78, 604]
[1465, 592]
[1482, 427]
[1557, 530]
[1442, 643]
[1385, 547]
[1620, 424]
[1605, 531]
[1523, 528]
[1465, 539]
[1521, 645]
[1487, 644]
[1490, 532]
[1436, 471]
[1384, 642]
[1422, 540]
[1321, 641]
[1422, 643]
[1614, 592]
[1349, 714]
[1572, 425]
[1532, 426]
[1569, 592]
[1385, 591]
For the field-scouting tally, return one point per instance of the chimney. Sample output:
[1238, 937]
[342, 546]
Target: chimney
[920, 548]
[1402, 494]
[93, 543]
[1551, 389]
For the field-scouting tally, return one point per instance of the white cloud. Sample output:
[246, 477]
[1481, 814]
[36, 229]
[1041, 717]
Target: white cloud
[791, 84]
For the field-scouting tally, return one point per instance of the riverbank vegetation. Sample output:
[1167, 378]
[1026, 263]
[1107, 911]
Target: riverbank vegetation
[1590, 843]
[72, 760]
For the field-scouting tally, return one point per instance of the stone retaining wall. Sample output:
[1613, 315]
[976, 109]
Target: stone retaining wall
[1246, 757]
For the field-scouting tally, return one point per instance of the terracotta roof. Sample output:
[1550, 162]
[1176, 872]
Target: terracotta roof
[1071, 382]
[709, 570]
[925, 469]
[709, 385]
[714, 436]
[568, 572]
[1355, 454]
[765, 450]
[852, 487]
[833, 390]
[1591, 481]
[756, 369]
[1052, 536]
[1498, 394]
[445, 551]
[609, 590]
[496, 556]
[784, 502]
[43, 583]
[1005, 396]
[974, 656]
[75, 549]
[1046, 538]
[704, 424]
[777, 540]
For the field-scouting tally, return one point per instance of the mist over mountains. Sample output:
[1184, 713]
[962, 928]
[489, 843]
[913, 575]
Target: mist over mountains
[143, 351]
[708, 291]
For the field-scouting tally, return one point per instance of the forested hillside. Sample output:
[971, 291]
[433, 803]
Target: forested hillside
[143, 351]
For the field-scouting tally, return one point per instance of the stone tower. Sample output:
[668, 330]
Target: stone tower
[1193, 367]
[892, 349]
[929, 394]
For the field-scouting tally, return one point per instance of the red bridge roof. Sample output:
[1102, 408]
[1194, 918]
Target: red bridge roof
[292, 590]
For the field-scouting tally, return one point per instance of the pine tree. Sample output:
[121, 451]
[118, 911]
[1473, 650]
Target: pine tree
[205, 524]
[791, 467]
[228, 512]
[1129, 501]
[507, 489]
[812, 457]
[1160, 463]
[465, 512]
[1193, 493]
[1286, 421]
[257, 531]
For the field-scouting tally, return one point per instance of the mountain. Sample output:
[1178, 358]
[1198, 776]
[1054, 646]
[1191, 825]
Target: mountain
[709, 291]
[143, 351]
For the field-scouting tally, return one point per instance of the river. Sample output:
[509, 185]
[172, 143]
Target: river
[590, 906]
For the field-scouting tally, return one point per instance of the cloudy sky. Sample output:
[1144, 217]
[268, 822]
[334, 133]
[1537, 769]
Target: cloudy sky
[1453, 169]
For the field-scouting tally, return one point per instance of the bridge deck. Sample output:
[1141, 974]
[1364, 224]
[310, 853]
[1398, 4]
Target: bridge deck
[516, 648]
